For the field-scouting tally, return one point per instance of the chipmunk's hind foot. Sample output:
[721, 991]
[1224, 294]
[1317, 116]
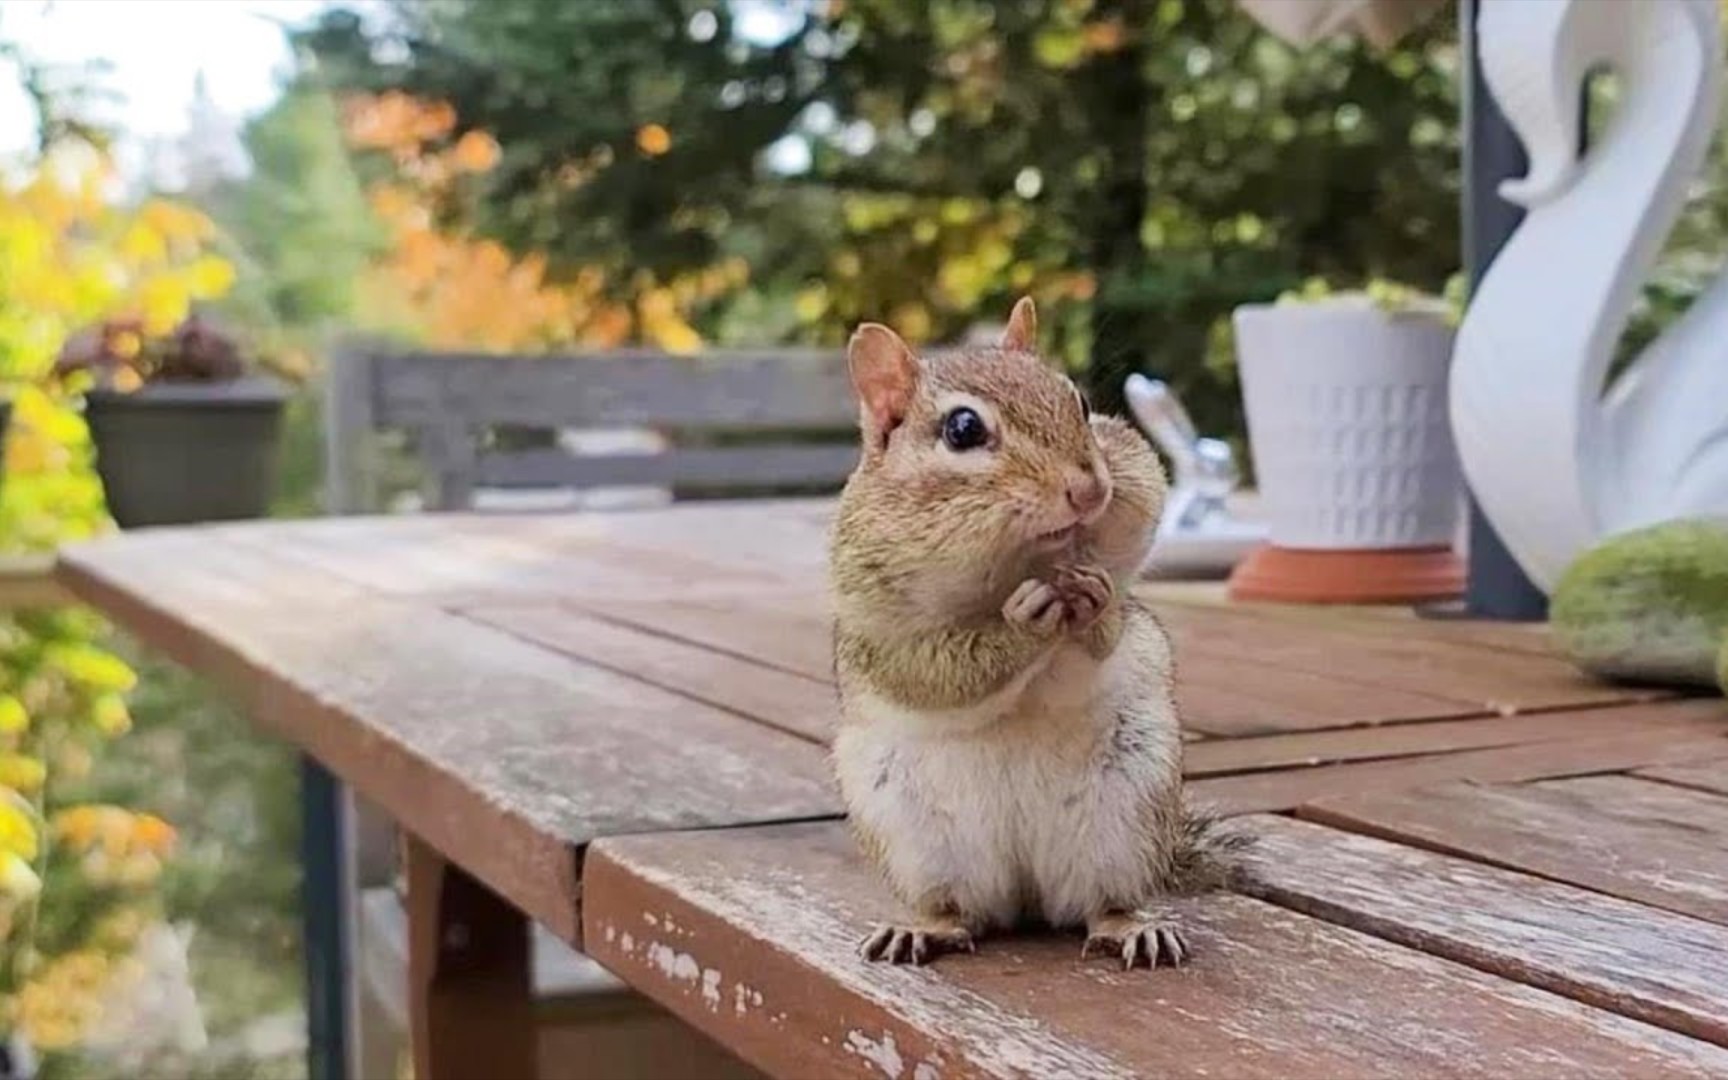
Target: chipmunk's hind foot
[916, 944]
[1141, 940]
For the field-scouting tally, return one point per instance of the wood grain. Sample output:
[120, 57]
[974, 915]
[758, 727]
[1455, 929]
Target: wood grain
[1219, 757]
[470, 1012]
[1615, 954]
[794, 703]
[1224, 695]
[748, 582]
[27, 581]
[1689, 730]
[504, 756]
[453, 559]
[1405, 621]
[786, 629]
[1709, 776]
[820, 465]
[1376, 654]
[624, 387]
[763, 960]
[1654, 843]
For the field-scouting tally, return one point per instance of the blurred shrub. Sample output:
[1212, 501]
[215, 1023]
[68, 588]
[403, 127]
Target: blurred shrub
[75, 880]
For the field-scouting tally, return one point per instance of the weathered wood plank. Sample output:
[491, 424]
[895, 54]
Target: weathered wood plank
[618, 388]
[808, 465]
[1654, 843]
[789, 629]
[1376, 654]
[785, 630]
[794, 703]
[1704, 775]
[503, 755]
[1222, 757]
[634, 555]
[748, 582]
[1698, 729]
[1232, 696]
[1410, 624]
[748, 934]
[1615, 954]
[469, 1013]
[27, 581]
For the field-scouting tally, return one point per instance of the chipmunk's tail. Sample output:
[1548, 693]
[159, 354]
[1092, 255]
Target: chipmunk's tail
[1207, 851]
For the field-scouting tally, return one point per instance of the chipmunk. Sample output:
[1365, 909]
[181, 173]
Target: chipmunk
[1009, 747]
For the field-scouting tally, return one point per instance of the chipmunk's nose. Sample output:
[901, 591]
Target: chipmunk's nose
[1088, 491]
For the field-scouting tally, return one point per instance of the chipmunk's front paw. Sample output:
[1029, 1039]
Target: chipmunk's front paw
[1036, 604]
[1086, 591]
[1141, 940]
[915, 944]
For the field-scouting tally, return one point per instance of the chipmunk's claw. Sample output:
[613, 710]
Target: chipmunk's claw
[1140, 942]
[1037, 604]
[1085, 591]
[915, 945]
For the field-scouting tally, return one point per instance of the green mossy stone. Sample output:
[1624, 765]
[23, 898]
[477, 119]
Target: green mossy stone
[1649, 606]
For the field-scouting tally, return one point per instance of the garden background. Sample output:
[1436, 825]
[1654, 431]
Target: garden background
[522, 176]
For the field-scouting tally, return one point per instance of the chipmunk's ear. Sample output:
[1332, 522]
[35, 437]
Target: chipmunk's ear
[1022, 332]
[885, 376]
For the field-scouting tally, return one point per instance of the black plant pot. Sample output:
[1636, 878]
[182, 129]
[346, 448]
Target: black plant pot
[179, 453]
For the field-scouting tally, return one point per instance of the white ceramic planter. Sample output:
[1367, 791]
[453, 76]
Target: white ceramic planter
[1348, 424]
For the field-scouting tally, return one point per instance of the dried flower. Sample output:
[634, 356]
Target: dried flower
[120, 355]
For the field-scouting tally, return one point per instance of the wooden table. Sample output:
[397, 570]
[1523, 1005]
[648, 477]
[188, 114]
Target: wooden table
[1471, 861]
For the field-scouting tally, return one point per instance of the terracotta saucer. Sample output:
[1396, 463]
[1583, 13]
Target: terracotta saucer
[1380, 576]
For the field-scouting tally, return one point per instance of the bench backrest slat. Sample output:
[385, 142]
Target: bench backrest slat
[785, 400]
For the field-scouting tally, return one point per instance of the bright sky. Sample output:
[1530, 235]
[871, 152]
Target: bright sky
[157, 48]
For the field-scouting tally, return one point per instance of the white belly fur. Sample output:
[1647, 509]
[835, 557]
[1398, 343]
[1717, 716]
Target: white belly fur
[1008, 810]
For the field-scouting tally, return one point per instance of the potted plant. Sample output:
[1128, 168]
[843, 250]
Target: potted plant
[182, 432]
[1352, 444]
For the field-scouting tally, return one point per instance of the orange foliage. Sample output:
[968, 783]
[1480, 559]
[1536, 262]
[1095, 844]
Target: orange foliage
[450, 289]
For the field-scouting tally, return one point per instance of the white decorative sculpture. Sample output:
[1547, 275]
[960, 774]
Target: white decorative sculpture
[1556, 463]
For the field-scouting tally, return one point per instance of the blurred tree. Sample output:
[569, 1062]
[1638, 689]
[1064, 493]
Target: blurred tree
[631, 129]
[302, 216]
[1155, 162]
[1188, 161]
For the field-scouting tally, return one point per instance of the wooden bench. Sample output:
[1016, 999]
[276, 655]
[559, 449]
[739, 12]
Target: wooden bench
[793, 406]
[484, 431]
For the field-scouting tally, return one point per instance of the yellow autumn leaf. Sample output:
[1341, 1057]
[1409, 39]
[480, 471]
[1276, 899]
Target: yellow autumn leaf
[13, 717]
[17, 830]
[163, 303]
[677, 337]
[22, 773]
[150, 833]
[18, 880]
[209, 276]
[110, 715]
[811, 303]
[912, 320]
[142, 244]
[91, 666]
[177, 223]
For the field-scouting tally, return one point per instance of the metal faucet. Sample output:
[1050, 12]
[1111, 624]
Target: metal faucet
[1204, 470]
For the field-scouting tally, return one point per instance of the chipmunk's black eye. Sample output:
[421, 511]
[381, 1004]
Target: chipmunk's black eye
[963, 429]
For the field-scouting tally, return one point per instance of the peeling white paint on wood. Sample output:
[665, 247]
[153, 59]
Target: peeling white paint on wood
[1270, 990]
[881, 1053]
[680, 966]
